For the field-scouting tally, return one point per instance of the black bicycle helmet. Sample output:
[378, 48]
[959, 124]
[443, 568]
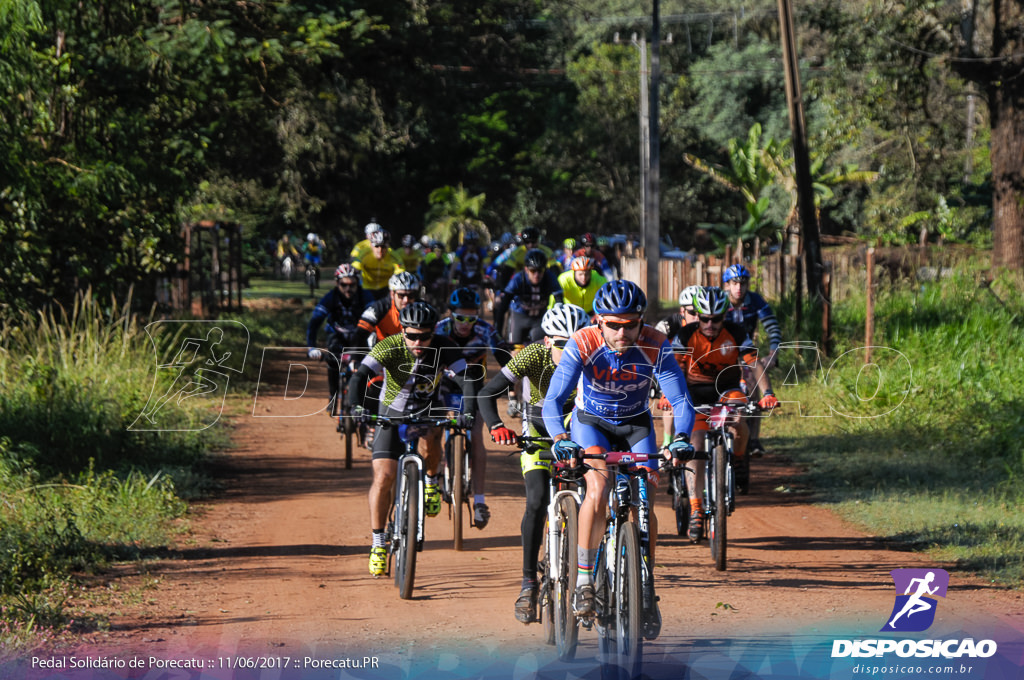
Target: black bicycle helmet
[418, 315]
[530, 235]
[620, 297]
[536, 259]
[464, 298]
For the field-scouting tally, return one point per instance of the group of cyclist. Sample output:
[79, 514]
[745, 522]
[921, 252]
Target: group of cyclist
[587, 361]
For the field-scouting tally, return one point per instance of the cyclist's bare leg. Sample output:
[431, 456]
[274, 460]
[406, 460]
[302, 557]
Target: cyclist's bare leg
[593, 509]
[384, 472]
[431, 450]
[695, 468]
[741, 435]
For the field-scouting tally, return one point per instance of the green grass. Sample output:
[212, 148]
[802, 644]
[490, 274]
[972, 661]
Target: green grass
[932, 460]
[77, 488]
[280, 288]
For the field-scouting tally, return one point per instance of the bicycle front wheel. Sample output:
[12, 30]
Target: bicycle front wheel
[458, 488]
[563, 578]
[408, 519]
[720, 510]
[680, 501]
[628, 613]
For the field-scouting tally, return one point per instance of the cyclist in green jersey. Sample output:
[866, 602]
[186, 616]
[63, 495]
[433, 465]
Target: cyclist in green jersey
[534, 364]
[413, 363]
[579, 285]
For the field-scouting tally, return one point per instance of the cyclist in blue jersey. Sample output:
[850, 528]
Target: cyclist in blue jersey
[468, 263]
[527, 295]
[614, 364]
[474, 336]
[340, 308]
[747, 309]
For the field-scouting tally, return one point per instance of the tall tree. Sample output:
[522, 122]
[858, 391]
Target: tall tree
[1000, 73]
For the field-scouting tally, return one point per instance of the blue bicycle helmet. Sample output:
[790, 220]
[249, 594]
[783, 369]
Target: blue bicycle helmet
[736, 271]
[464, 298]
[620, 297]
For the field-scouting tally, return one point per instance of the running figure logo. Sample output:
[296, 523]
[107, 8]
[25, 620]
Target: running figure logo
[198, 368]
[914, 610]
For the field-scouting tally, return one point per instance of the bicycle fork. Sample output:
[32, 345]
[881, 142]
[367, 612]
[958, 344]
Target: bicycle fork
[555, 566]
[643, 524]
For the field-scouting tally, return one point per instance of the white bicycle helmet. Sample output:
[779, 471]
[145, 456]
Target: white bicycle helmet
[686, 297]
[562, 320]
[346, 271]
[370, 228]
[404, 281]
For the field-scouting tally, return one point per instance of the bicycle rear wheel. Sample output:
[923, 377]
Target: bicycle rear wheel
[407, 519]
[563, 578]
[720, 510]
[458, 488]
[349, 429]
[627, 654]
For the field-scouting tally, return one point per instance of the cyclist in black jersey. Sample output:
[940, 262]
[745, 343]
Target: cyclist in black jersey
[412, 363]
[475, 336]
[340, 308]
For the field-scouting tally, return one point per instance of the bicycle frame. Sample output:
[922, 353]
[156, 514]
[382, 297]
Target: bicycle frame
[719, 481]
[617, 593]
[396, 522]
[627, 493]
[559, 623]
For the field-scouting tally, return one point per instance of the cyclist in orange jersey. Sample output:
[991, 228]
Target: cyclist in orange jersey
[713, 351]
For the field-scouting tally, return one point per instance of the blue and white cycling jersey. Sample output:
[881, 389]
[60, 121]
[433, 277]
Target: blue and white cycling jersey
[616, 386]
[754, 308]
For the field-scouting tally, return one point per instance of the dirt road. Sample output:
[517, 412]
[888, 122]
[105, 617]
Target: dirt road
[276, 566]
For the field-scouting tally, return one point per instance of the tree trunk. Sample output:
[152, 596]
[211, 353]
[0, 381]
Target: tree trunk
[1006, 108]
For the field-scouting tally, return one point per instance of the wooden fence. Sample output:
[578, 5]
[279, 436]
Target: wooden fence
[776, 274]
[208, 277]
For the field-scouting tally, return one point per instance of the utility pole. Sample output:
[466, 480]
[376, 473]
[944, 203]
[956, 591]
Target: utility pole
[652, 223]
[645, 136]
[801, 158]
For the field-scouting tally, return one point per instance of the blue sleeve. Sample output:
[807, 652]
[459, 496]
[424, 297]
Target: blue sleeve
[567, 374]
[513, 288]
[673, 385]
[770, 324]
[315, 321]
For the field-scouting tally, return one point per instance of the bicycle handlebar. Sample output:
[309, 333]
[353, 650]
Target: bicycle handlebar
[750, 408]
[624, 457]
[388, 421]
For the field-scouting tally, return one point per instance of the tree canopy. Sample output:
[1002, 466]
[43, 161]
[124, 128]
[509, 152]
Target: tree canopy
[125, 119]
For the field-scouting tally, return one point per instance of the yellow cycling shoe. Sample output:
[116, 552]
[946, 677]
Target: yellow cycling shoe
[378, 561]
[432, 500]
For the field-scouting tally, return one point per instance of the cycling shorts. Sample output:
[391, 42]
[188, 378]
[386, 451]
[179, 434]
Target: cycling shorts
[597, 435]
[389, 442]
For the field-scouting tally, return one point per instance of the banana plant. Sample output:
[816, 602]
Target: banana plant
[452, 213]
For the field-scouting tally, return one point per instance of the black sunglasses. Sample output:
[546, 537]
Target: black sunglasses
[718, 318]
[560, 343]
[419, 337]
